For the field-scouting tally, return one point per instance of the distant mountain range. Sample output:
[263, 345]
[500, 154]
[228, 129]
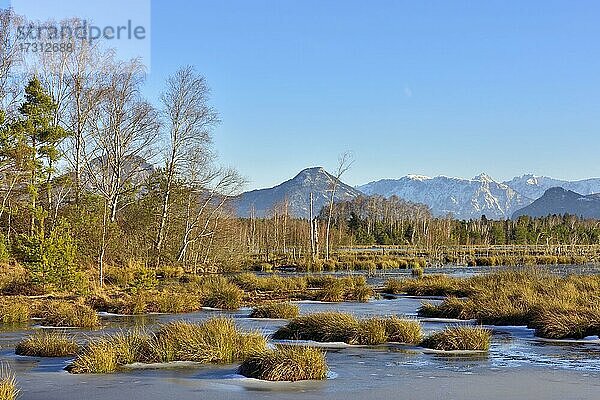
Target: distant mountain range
[297, 192]
[472, 198]
[562, 201]
[533, 187]
[461, 198]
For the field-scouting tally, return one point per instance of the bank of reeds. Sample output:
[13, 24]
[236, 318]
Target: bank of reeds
[556, 307]
[14, 310]
[429, 285]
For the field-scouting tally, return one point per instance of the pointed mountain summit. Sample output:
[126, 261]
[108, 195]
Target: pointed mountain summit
[297, 193]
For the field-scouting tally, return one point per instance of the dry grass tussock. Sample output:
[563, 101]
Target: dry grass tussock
[47, 344]
[286, 363]
[216, 341]
[341, 327]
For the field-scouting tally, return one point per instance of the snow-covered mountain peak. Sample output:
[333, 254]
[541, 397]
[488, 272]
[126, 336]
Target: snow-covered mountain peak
[483, 177]
[415, 177]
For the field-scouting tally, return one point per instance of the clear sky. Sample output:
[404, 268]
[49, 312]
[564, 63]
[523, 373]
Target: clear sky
[429, 87]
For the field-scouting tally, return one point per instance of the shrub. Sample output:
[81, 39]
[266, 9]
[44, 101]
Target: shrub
[134, 275]
[4, 255]
[459, 338]
[65, 314]
[16, 280]
[8, 384]
[276, 310]
[286, 363]
[170, 272]
[417, 271]
[47, 344]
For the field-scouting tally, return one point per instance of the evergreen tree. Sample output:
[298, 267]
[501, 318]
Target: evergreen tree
[38, 136]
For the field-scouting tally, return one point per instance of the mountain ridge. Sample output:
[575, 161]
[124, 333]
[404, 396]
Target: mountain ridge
[560, 201]
[260, 202]
[445, 195]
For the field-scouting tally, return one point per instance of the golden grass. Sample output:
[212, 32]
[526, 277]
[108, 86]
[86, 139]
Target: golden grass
[321, 327]
[216, 341]
[276, 310]
[99, 357]
[47, 344]
[341, 327]
[8, 384]
[429, 285]
[14, 310]
[286, 363]
[221, 294]
[403, 330]
[459, 338]
[556, 307]
[63, 313]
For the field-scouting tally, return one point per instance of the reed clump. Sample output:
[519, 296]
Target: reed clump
[62, 313]
[459, 338]
[47, 344]
[342, 327]
[8, 384]
[216, 341]
[220, 293]
[14, 310]
[286, 363]
[276, 310]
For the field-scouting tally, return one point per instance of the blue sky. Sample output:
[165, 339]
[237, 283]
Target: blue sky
[428, 87]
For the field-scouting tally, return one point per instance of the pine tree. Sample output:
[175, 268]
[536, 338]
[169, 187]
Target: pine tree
[38, 136]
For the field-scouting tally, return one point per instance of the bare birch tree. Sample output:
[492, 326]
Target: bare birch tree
[345, 161]
[188, 119]
[124, 130]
